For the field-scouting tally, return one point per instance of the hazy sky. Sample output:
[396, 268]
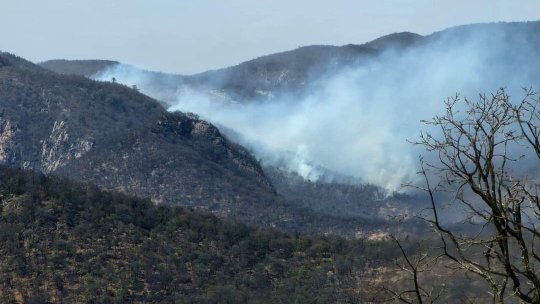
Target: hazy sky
[191, 36]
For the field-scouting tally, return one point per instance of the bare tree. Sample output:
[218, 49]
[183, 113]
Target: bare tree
[528, 117]
[478, 145]
[415, 265]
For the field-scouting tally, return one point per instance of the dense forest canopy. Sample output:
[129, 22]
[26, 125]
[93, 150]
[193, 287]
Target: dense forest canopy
[66, 242]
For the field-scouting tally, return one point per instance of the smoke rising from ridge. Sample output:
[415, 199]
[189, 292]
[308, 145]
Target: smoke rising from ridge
[356, 122]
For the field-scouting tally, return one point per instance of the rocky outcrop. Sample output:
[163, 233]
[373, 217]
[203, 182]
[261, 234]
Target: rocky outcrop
[6, 134]
[58, 149]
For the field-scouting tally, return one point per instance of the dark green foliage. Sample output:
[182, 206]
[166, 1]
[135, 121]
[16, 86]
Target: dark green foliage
[67, 242]
[348, 200]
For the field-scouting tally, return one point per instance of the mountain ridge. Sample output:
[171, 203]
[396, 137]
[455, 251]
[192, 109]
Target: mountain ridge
[48, 121]
[114, 136]
[82, 66]
[284, 73]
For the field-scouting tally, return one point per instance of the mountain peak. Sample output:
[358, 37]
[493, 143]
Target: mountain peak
[11, 60]
[85, 68]
[400, 39]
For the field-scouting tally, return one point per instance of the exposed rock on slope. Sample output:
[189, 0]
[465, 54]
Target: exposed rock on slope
[6, 133]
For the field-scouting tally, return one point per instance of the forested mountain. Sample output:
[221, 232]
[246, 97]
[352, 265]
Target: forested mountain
[247, 193]
[122, 140]
[352, 200]
[50, 121]
[289, 73]
[312, 117]
[301, 71]
[65, 242]
[261, 78]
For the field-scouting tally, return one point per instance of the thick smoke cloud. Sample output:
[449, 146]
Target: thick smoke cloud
[357, 122]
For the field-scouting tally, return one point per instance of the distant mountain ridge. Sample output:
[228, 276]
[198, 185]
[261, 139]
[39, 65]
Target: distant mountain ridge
[287, 73]
[280, 73]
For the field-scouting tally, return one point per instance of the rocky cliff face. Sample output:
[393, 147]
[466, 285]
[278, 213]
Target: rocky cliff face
[59, 149]
[6, 133]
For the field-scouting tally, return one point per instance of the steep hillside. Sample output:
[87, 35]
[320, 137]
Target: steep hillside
[52, 123]
[398, 69]
[49, 120]
[62, 242]
[122, 140]
[279, 73]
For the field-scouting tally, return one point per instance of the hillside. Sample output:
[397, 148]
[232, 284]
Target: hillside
[122, 140]
[287, 74]
[67, 242]
[49, 121]
[258, 79]
[393, 83]
[343, 199]
[291, 71]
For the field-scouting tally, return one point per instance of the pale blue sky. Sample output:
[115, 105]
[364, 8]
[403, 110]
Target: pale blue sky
[192, 36]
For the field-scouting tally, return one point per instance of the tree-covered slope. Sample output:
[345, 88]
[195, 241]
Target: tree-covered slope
[267, 76]
[121, 140]
[66, 242]
[52, 123]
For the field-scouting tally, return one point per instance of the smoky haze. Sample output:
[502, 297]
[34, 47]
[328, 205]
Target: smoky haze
[356, 121]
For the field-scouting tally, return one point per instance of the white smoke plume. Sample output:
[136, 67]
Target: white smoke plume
[357, 122]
